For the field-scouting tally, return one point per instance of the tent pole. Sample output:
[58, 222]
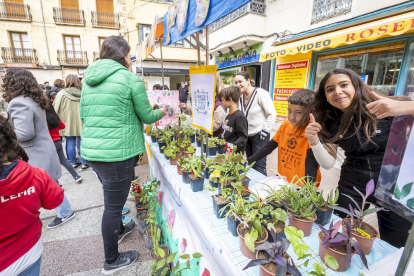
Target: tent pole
[202, 131]
[162, 64]
[207, 57]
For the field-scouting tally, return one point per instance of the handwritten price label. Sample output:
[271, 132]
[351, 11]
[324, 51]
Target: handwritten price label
[363, 233]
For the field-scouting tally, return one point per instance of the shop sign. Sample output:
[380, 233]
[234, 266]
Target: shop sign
[20, 65]
[290, 77]
[171, 71]
[393, 26]
[239, 57]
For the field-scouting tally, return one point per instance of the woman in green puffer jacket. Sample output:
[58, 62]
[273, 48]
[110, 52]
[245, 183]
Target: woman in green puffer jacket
[113, 106]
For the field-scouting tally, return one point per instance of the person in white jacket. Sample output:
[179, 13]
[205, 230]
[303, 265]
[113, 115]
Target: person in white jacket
[257, 105]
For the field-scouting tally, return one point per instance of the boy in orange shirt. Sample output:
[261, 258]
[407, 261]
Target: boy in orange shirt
[295, 156]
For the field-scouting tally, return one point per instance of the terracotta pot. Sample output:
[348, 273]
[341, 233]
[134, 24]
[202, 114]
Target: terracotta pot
[302, 224]
[178, 168]
[246, 251]
[188, 154]
[265, 272]
[139, 208]
[339, 256]
[173, 161]
[365, 243]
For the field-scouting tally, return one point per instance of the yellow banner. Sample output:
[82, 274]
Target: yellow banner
[375, 30]
[203, 69]
[148, 149]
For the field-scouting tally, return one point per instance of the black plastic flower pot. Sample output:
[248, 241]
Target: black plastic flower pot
[233, 197]
[197, 184]
[186, 177]
[153, 138]
[207, 173]
[232, 225]
[141, 221]
[219, 188]
[212, 151]
[162, 146]
[198, 143]
[148, 239]
[246, 182]
[323, 216]
[166, 157]
[213, 184]
[204, 147]
[192, 137]
[220, 149]
[218, 207]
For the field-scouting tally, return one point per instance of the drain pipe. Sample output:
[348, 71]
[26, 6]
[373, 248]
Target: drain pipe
[44, 31]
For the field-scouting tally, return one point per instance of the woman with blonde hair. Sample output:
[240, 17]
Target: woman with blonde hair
[67, 105]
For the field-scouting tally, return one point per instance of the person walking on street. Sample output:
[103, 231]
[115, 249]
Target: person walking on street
[27, 106]
[183, 94]
[24, 189]
[257, 105]
[113, 106]
[54, 124]
[66, 105]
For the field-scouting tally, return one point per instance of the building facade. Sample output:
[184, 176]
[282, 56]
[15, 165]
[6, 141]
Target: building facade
[55, 38]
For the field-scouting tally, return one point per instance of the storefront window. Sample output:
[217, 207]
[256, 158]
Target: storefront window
[378, 66]
[409, 91]
[228, 75]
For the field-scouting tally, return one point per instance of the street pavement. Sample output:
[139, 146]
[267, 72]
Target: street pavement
[76, 247]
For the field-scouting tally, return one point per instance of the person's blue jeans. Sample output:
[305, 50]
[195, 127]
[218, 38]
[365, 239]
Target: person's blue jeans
[254, 143]
[33, 270]
[183, 101]
[73, 144]
[64, 209]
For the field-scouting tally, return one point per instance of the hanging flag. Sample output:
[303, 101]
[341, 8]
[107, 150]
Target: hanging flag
[202, 11]
[181, 15]
[172, 14]
[151, 36]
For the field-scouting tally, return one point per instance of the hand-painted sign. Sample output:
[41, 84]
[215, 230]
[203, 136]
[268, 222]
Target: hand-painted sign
[181, 15]
[239, 57]
[172, 13]
[202, 11]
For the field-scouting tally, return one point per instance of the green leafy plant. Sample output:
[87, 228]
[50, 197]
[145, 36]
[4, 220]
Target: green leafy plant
[300, 206]
[190, 149]
[195, 166]
[171, 150]
[188, 131]
[212, 143]
[320, 202]
[157, 266]
[221, 142]
[277, 215]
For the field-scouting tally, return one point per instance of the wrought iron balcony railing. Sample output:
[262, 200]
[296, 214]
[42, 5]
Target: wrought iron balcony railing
[14, 11]
[69, 16]
[68, 57]
[95, 55]
[324, 9]
[105, 19]
[254, 7]
[18, 55]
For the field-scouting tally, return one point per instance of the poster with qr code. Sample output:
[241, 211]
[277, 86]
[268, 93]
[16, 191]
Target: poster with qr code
[203, 92]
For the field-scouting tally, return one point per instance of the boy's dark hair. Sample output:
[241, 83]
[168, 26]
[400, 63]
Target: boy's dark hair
[52, 119]
[9, 147]
[302, 97]
[231, 93]
[157, 87]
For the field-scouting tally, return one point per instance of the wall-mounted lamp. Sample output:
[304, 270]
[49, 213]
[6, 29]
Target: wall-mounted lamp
[220, 54]
[231, 50]
[245, 48]
[211, 57]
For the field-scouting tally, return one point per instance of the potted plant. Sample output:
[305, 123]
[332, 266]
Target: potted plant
[198, 138]
[173, 153]
[208, 162]
[251, 233]
[142, 222]
[338, 245]
[221, 146]
[189, 133]
[212, 147]
[196, 178]
[186, 171]
[220, 203]
[154, 134]
[363, 232]
[276, 223]
[259, 206]
[323, 211]
[189, 151]
[273, 259]
[214, 178]
[301, 212]
[234, 213]
[161, 263]
[152, 231]
[179, 162]
[240, 173]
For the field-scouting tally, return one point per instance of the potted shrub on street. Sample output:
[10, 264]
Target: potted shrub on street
[251, 234]
[301, 212]
[196, 178]
[273, 259]
[363, 232]
[142, 221]
[220, 203]
[161, 261]
[338, 245]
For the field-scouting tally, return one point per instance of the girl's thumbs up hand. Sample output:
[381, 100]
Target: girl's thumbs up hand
[312, 130]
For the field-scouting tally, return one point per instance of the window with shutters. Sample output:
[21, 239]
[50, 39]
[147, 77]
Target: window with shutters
[104, 15]
[15, 9]
[69, 4]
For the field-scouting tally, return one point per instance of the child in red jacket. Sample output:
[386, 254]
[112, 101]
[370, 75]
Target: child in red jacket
[23, 191]
[54, 124]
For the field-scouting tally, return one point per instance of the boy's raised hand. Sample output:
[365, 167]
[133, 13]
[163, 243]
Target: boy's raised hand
[312, 130]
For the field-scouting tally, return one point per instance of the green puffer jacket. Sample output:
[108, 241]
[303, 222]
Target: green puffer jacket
[113, 106]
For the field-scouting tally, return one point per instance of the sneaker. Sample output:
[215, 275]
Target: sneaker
[85, 167]
[78, 179]
[125, 220]
[135, 180]
[59, 221]
[76, 165]
[124, 260]
[125, 210]
[129, 227]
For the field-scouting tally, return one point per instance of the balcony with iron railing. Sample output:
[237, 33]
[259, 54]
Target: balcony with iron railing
[18, 55]
[68, 57]
[14, 11]
[257, 7]
[69, 16]
[95, 55]
[105, 20]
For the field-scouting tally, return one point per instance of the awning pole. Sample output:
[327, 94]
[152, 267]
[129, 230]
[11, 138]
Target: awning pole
[162, 64]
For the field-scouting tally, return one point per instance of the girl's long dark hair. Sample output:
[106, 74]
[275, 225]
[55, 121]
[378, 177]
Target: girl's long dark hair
[53, 120]
[357, 113]
[10, 149]
[18, 82]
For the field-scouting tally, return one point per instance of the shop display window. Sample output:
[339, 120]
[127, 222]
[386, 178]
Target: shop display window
[378, 66]
[228, 75]
[409, 90]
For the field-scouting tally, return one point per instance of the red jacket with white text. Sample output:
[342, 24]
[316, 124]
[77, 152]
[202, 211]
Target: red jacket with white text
[25, 190]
